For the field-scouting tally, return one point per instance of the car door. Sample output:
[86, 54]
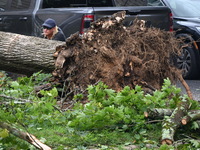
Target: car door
[18, 17]
[3, 8]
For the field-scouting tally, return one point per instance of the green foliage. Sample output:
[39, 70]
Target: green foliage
[40, 110]
[108, 120]
[195, 125]
[4, 133]
[123, 110]
[109, 109]
[166, 147]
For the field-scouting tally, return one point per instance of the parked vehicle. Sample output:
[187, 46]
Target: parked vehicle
[26, 16]
[186, 23]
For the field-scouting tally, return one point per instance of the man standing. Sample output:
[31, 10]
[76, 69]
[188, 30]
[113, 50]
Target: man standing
[51, 31]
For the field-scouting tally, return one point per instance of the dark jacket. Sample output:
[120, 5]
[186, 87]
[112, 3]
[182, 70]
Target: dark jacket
[58, 35]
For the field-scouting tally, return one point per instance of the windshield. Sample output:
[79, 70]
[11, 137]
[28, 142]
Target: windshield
[185, 8]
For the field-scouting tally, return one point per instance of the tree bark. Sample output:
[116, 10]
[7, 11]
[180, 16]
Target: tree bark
[26, 54]
[173, 122]
[25, 136]
[160, 113]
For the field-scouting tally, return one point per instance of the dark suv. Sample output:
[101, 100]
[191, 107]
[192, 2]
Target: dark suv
[186, 21]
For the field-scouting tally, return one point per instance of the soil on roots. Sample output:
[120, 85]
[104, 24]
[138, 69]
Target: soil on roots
[118, 56]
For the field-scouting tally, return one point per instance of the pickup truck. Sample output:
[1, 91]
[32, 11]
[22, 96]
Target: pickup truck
[26, 16]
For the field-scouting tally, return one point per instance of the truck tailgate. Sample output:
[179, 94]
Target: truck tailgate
[158, 17]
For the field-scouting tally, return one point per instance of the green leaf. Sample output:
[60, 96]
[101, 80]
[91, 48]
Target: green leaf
[4, 133]
[195, 125]
[137, 136]
[195, 143]
[14, 84]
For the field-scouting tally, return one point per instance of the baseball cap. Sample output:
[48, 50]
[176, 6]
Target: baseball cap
[50, 23]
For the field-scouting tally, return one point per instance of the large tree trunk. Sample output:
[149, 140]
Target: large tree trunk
[26, 54]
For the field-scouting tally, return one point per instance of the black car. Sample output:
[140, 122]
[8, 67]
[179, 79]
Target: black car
[186, 22]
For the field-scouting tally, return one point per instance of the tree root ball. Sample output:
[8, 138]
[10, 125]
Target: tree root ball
[117, 55]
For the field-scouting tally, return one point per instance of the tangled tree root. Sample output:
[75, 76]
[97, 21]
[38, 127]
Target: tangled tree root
[118, 56]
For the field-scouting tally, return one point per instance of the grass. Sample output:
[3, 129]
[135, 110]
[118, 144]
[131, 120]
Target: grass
[59, 137]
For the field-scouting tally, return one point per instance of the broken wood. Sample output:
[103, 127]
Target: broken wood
[173, 122]
[25, 136]
[158, 113]
[191, 116]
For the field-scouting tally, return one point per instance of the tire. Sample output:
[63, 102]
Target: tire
[188, 62]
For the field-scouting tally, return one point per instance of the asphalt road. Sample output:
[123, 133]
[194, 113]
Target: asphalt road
[194, 87]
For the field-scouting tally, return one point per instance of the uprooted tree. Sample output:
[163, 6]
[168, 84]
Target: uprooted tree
[109, 52]
[129, 56]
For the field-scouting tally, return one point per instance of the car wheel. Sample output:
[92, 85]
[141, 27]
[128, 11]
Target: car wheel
[188, 63]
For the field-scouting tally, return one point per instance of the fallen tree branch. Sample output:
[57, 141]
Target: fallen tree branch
[184, 141]
[173, 122]
[25, 136]
[159, 113]
[187, 88]
[191, 116]
[16, 100]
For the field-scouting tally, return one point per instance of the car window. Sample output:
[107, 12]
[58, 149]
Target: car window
[55, 3]
[3, 4]
[155, 3]
[20, 4]
[185, 8]
[76, 3]
[131, 2]
[100, 3]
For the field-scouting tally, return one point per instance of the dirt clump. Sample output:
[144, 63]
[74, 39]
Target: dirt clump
[118, 56]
